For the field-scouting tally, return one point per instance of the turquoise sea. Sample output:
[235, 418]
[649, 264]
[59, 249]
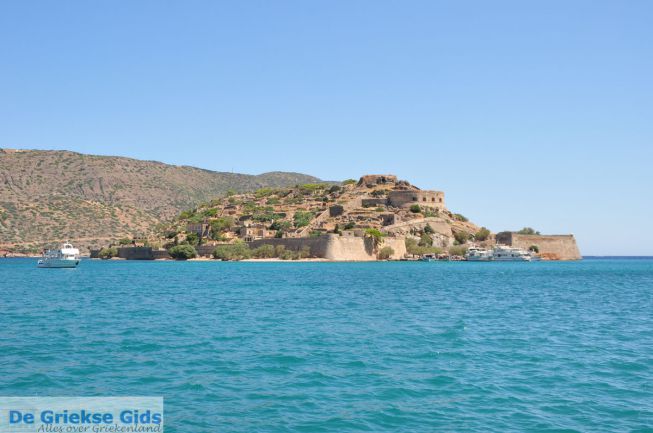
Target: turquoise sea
[341, 347]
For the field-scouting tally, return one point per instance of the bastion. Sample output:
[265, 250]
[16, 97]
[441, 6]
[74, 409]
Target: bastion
[554, 247]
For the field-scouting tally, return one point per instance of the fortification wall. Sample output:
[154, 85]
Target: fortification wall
[334, 247]
[317, 246]
[135, 253]
[556, 247]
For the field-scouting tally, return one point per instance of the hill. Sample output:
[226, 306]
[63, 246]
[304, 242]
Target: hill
[50, 196]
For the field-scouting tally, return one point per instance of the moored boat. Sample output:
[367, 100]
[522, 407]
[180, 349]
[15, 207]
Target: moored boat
[65, 257]
[477, 254]
[505, 253]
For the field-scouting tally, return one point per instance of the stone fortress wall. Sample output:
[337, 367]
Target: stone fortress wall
[335, 247]
[554, 247]
[404, 199]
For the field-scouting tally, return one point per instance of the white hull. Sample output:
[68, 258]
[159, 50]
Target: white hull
[511, 259]
[66, 257]
[58, 263]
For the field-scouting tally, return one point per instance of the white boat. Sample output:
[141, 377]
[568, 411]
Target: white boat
[65, 257]
[477, 254]
[505, 253]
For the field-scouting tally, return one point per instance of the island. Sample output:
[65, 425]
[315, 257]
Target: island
[378, 217]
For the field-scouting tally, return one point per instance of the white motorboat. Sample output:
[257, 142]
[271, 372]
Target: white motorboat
[505, 253]
[477, 254]
[65, 257]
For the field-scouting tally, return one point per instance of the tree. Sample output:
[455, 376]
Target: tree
[182, 252]
[457, 250]
[221, 224]
[350, 225]
[412, 247]
[528, 231]
[428, 229]
[124, 241]
[425, 241]
[385, 253]
[482, 234]
[192, 238]
[107, 253]
[534, 248]
[376, 236]
[415, 208]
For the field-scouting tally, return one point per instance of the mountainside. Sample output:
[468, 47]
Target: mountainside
[50, 196]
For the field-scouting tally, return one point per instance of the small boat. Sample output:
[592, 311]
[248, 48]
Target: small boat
[505, 253]
[477, 254]
[65, 257]
[428, 258]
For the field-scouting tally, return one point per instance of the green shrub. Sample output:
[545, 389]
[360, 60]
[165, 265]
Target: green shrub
[282, 225]
[305, 252]
[415, 208]
[460, 217]
[186, 214]
[430, 212]
[182, 252]
[107, 253]
[482, 234]
[534, 248]
[264, 192]
[279, 250]
[350, 225]
[385, 253]
[236, 251]
[457, 250]
[461, 237]
[302, 218]
[221, 224]
[124, 241]
[311, 188]
[412, 247]
[428, 229]
[209, 213]
[349, 181]
[264, 252]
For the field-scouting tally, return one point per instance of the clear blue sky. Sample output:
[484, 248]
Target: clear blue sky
[524, 113]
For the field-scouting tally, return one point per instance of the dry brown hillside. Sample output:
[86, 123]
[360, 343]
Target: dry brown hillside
[50, 196]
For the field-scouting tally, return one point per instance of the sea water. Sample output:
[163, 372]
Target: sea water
[340, 347]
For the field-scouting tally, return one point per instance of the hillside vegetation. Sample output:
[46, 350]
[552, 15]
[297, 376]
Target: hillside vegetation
[50, 196]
